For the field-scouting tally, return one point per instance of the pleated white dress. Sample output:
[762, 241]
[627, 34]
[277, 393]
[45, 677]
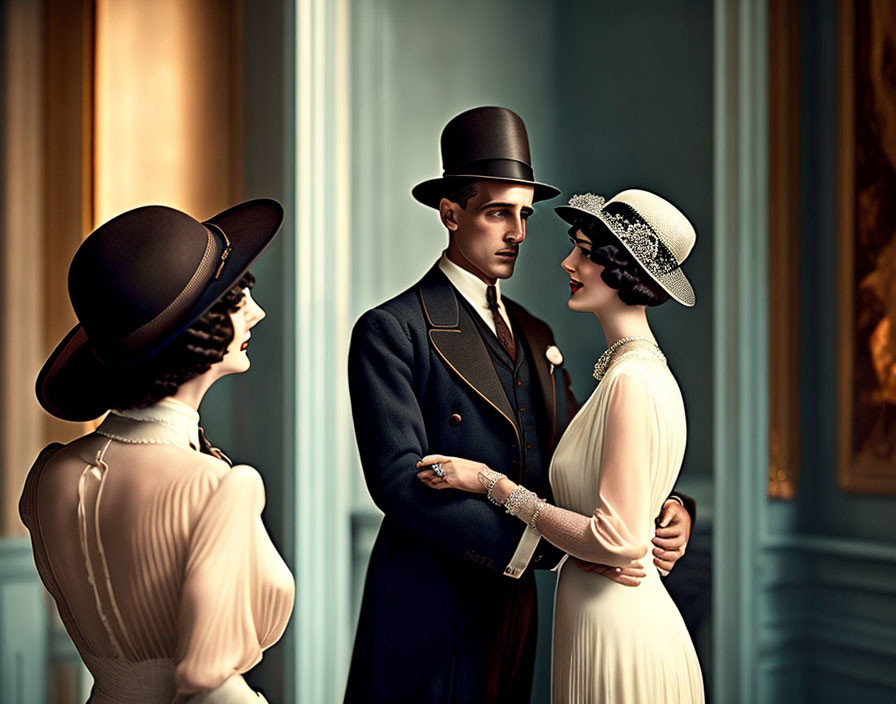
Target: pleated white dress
[162, 571]
[616, 644]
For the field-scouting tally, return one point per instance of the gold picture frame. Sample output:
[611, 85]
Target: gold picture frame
[784, 249]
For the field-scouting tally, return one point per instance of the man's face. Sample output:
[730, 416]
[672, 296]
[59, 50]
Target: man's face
[485, 237]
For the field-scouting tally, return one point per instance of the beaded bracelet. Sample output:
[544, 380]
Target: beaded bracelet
[541, 503]
[489, 478]
[517, 499]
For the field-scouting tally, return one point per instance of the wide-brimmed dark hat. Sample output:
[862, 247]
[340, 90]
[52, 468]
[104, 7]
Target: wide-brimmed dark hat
[136, 283]
[658, 235]
[483, 144]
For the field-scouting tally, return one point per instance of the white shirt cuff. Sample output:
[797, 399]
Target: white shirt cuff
[524, 551]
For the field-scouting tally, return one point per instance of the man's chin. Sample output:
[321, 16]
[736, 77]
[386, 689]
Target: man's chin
[503, 270]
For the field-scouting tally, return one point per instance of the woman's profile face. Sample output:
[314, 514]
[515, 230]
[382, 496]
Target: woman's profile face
[588, 291]
[246, 317]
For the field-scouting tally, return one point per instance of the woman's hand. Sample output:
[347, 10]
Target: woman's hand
[630, 575]
[457, 473]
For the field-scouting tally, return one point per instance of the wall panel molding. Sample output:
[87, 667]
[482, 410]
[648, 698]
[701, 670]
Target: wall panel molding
[324, 444]
[740, 332]
[828, 613]
[23, 626]
[849, 548]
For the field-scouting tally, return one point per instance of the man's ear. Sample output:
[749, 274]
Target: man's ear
[447, 211]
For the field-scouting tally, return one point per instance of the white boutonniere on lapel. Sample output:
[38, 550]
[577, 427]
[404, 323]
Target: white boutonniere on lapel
[554, 356]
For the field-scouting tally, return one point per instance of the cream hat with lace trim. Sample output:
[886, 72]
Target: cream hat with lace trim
[657, 234]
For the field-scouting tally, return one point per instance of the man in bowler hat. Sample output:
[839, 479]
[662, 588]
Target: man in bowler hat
[450, 366]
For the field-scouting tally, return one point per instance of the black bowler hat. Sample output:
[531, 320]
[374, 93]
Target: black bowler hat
[136, 283]
[483, 144]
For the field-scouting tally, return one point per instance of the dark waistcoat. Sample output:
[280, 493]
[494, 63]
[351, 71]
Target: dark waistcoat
[518, 383]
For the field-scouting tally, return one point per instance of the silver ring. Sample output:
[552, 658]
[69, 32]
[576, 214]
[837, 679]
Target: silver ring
[436, 467]
[663, 573]
[618, 570]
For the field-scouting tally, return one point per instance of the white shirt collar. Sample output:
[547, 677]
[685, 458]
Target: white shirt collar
[472, 288]
[469, 285]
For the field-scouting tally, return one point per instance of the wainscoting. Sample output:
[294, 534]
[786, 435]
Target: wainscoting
[38, 661]
[24, 647]
[827, 620]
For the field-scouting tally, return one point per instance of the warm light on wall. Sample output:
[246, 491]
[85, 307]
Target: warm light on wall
[166, 105]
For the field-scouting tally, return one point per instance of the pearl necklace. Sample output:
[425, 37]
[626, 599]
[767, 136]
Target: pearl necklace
[603, 362]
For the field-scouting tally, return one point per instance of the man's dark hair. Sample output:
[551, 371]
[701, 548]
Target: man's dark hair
[621, 271]
[462, 193]
[190, 354]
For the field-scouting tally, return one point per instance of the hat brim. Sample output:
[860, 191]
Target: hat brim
[675, 283]
[432, 191]
[75, 385]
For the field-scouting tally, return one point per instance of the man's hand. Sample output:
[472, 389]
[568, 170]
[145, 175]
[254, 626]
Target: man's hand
[630, 575]
[672, 534]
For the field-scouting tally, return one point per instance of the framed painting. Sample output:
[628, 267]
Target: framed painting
[867, 247]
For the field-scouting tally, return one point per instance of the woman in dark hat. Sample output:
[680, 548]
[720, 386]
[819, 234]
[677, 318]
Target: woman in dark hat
[614, 466]
[149, 541]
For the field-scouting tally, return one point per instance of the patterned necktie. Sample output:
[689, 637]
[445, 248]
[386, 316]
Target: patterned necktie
[505, 337]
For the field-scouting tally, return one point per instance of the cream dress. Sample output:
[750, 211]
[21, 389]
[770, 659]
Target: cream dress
[156, 556]
[616, 464]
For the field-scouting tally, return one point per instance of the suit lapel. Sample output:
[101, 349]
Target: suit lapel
[456, 339]
[537, 340]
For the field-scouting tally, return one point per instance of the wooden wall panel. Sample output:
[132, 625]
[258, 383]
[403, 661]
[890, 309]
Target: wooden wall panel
[22, 223]
[167, 100]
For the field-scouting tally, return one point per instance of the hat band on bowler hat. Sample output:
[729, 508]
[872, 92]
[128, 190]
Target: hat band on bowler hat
[209, 269]
[497, 168]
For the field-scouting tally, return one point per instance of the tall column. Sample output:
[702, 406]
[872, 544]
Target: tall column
[324, 449]
[740, 344]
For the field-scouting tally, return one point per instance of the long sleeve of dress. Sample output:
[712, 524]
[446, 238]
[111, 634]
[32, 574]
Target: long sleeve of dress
[618, 531]
[231, 607]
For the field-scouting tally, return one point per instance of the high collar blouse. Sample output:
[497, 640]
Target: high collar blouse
[156, 556]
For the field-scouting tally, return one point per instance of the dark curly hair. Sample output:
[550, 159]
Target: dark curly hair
[621, 272]
[190, 354]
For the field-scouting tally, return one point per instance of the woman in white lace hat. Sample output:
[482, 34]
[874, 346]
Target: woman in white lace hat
[615, 464]
[147, 538]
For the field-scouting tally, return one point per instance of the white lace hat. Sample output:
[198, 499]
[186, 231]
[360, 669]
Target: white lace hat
[657, 234]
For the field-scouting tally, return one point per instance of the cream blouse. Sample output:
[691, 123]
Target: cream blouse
[156, 556]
